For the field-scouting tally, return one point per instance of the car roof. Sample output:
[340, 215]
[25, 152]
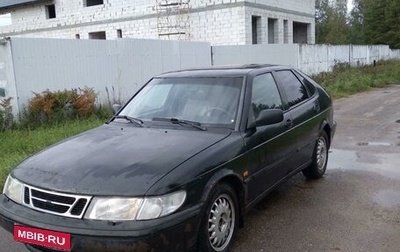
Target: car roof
[221, 71]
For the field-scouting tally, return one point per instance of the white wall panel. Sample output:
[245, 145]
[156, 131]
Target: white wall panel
[123, 65]
[256, 54]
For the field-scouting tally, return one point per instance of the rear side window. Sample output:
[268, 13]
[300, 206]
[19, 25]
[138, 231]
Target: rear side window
[265, 94]
[294, 89]
[306, 81]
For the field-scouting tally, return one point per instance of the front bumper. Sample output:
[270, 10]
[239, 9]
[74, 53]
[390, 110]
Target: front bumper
[177, 232]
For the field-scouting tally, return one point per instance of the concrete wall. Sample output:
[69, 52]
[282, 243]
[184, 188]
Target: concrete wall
[304, 14]
[311, 59]
[322, 58]
[123, 65]
[7, 80]
[256, 54]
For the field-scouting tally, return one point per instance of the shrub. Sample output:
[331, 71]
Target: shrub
[6, 116]
[53, 107]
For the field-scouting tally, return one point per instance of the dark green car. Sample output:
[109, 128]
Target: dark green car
[177, 166]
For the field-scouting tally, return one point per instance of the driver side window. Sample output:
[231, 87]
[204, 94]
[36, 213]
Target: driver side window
[265, 94]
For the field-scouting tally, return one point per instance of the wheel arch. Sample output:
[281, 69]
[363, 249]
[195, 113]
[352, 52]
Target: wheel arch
[325, 126]
[235, 182]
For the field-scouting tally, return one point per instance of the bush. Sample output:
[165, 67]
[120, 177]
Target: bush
[53, 107]
[6, 116]
[345, 80]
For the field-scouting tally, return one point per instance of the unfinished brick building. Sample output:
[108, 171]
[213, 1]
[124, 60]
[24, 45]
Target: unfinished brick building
[221, 22]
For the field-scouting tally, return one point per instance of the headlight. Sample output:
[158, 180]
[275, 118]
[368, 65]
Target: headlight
[124, 209]
[155, 207]
[13, 189]
[115, 209]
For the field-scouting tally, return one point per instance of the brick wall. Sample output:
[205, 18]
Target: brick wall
[221, 22]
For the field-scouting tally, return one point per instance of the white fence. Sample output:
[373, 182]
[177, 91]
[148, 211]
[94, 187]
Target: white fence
[311, 59]
[123, 66]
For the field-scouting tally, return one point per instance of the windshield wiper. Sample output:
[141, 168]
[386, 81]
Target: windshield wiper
[174, 120]
[133, 120]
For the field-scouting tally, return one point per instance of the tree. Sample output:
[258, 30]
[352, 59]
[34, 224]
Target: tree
[356, 23]
[393, 22]
[322, 12]
[370, 22]
[376, 22]
[331, 23]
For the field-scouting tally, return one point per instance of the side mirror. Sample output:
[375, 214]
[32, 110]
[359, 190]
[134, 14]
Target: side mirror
[116, 108]
[268, 117]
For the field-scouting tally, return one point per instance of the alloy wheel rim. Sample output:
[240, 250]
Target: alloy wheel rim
[221, 222]
[321, 154]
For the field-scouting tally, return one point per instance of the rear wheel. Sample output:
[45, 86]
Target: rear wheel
[320, 158]
[220, 220]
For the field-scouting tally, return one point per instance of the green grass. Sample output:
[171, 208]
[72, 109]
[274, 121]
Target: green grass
[345, 81]
[18, 144]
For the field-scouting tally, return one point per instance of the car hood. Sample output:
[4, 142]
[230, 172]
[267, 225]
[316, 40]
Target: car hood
[114, 160]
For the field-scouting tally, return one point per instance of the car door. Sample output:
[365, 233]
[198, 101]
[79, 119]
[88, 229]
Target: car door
[269, 147]
[304, 107]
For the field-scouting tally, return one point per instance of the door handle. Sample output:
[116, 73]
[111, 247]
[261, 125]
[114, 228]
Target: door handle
[289, 123]
[316, 107]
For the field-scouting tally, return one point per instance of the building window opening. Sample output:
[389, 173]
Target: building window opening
[5, 19]
[88, 3]
[272, 31]
[285, 31]
[256, 30]
[119, 33]
[300, 33]
[97, 35]
[50, 11]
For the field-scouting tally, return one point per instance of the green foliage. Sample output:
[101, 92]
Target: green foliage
[375, 16]
[6, 116]
[370, 22]
[331, 23]
[356, 23]
[18, 144]
[345, 80]
[53, 107]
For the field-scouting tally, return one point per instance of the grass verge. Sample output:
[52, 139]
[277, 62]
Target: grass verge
[16, 145]
[344, 81]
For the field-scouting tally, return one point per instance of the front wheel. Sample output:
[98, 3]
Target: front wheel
[220, 220]
[320, 158]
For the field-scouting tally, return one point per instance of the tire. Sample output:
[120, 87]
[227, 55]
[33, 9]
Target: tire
[320, 158]
[220, 220]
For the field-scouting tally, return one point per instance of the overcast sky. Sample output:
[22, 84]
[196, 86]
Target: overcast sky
[349, 5]
[5, 19]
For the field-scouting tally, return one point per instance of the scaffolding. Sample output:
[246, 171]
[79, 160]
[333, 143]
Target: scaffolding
[173, 19]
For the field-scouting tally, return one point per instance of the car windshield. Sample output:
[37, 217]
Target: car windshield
[208, 101]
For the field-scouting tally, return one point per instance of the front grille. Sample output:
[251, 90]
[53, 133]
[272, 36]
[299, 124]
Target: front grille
[49, 206]
[52, 197]
[26, 196]
[79, 207]
[55, 203]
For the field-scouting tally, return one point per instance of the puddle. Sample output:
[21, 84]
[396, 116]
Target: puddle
[374, 144]
[387, 165]
[388, 198]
